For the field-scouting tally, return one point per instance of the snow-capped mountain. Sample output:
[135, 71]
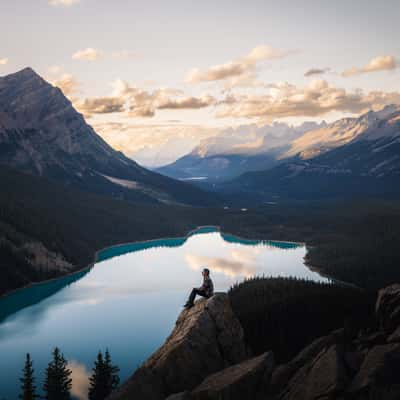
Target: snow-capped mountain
[343, 131]
[237, 150]
[41, 133]
[353, 157]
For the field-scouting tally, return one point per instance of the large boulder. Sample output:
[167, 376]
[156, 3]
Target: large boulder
[206, 338]
[388, 308]
[238, 382]
[284, 373]
[378, 377]
[323, 377]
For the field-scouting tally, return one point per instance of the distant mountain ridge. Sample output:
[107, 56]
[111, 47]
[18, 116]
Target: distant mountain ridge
[359, 157]
[343, 131]
[41, 133]
[250, 149]
[236, 151]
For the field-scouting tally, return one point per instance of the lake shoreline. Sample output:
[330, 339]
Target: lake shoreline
[185, 237]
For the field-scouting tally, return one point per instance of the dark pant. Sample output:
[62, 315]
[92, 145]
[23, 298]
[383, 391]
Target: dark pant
[195, 292]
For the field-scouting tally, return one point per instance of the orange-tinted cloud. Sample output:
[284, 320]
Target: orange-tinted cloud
[316, 71]
[65, 3]
[316, 99]
[100, 105]
[381, 63]
[67, 83]
[80, 380]
[235, 68]
[88, 54]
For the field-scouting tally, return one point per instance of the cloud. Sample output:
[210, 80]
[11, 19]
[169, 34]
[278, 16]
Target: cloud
[100, 105]
[316, 71]
[186, 103]
[233, 265]
[381, 63]
[235, 68]
[55, 69]
[65, 3]
[153, 144]
[3, 61]
[143, 103]
[88, 54]
[67, 83]
[316, 99]
[124, 54]
[80, 380]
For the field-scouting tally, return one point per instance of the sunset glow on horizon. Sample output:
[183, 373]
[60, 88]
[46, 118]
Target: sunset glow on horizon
[155, 78]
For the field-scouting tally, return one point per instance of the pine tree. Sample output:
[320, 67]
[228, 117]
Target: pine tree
[57, 385]
[28, 388]
[104, 377]
[112, 372]
[98, 380]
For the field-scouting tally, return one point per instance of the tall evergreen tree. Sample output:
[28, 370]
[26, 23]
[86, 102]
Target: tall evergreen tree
[58, 384]
[98, 380]
[28, 388]
[104, 377]
[112, 372]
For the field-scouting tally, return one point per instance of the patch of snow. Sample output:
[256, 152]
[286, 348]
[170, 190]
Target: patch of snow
[383, 164]
[122, 182]
[194, 178]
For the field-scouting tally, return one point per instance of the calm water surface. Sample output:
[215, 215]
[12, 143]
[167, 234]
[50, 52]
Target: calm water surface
[128, 302]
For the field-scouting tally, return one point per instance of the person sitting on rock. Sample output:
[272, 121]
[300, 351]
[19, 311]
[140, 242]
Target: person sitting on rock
[205, 290]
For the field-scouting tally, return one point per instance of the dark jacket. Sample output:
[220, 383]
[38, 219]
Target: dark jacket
[207, 286]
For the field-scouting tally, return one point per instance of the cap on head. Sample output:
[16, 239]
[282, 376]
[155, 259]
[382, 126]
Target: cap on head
[206, 271]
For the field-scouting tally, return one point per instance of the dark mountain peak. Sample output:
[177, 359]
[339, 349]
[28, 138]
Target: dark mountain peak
[27, 72]
[22, 76]
[42, 133]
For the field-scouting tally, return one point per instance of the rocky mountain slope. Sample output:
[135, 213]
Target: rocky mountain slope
[235, 151]
[373, 125]
[205, 358]
[365, 146]
[41, 133]
[362, 160]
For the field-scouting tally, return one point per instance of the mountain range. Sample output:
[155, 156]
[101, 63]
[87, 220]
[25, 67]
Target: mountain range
[353, 157]
[41, 133]
[235, 151]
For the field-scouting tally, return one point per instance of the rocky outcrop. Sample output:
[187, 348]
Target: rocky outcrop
[205, 359]
[334, 367]
[388, 308]
[207, 338]
[241, 381]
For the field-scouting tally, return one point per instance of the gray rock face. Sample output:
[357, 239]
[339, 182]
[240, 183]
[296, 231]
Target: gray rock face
[324, 376]
[388, 308]
[207, 338]
[205, 359]
[379, 373]
[41, 133]
[333, 367]
[240, 381]
[283, 373]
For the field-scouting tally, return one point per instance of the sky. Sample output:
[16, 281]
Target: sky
[154, 78]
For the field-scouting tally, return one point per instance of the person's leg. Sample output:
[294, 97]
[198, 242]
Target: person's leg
[192, 296]
[202, 293]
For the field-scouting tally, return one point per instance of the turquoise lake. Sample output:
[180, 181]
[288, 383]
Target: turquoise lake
[127, 302]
